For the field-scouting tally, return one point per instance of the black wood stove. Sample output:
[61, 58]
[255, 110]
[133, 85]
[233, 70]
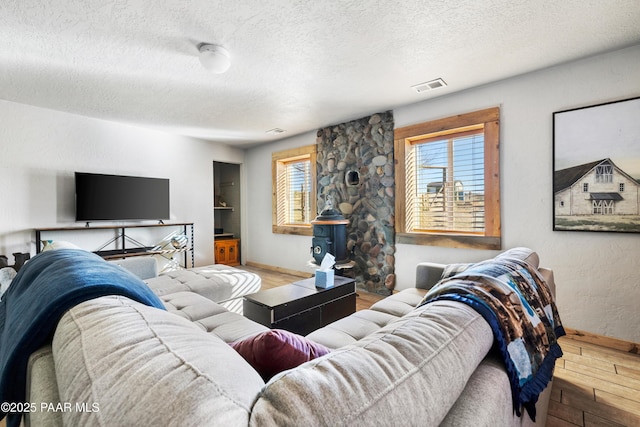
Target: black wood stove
[330, 235]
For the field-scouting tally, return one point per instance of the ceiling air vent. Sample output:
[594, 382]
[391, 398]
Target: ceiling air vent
[430, 85]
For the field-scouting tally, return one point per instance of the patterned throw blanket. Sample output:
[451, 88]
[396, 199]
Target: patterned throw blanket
[516, 302]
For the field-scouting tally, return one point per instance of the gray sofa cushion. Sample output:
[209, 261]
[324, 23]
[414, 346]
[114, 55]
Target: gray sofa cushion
[145, 366]
[219, 283]
[411, 370]
[211, 317]
[350, 329]
[365, 322]
[187, 280]
[400, 303]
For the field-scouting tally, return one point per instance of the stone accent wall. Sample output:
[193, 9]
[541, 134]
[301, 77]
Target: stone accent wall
[355, 166]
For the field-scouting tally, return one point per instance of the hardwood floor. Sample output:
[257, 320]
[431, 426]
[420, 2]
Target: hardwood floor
[594, 385]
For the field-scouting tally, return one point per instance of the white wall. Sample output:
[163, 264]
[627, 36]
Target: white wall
[596, 273]
[40, 149]
[260, 244]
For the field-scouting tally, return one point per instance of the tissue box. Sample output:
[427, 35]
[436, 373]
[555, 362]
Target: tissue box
[324, 279]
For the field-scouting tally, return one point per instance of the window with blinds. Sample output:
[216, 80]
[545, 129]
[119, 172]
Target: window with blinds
[293, 190]
[445, 181]
[448, 186]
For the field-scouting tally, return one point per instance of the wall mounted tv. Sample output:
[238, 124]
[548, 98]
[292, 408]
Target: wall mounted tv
[116, 198]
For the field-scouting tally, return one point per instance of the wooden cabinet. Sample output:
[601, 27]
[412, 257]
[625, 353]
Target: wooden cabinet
[227, 251]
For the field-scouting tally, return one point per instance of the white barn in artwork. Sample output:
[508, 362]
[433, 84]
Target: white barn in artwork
[597, 188]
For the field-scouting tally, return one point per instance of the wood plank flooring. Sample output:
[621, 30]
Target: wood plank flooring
[594, 385]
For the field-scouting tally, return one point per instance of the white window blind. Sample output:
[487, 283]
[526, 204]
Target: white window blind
[445, 182]
[294, 192]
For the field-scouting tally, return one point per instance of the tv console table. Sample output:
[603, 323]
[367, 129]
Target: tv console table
[126, 248]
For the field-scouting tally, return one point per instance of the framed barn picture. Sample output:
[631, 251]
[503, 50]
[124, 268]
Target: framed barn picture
[596, 168]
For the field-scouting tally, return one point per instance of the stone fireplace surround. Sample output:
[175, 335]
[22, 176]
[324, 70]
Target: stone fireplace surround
[355, 166]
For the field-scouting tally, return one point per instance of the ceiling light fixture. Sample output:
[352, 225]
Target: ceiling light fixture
[214, 57]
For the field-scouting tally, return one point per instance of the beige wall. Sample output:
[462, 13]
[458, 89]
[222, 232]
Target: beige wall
[596, 273]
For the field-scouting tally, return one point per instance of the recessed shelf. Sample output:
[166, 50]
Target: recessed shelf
[227, 207]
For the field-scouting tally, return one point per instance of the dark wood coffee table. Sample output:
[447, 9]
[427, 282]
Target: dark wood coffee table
[300, 307]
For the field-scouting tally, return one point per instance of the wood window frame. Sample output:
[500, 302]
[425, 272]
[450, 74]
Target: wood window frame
[491, 239]
[278, 159]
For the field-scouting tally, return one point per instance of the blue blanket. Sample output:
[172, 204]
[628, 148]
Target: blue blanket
[44, 289]
[517, 303]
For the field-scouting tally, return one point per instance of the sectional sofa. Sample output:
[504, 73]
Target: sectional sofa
[115, 361]
[220, 283]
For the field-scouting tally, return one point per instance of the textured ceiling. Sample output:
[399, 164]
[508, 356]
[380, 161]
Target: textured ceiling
[296, 65]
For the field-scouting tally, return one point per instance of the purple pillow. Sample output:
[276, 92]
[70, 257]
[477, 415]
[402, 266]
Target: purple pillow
[277, 350]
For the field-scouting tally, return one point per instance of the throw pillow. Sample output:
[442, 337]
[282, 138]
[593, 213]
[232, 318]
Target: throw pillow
[50, 245]
[277, 350]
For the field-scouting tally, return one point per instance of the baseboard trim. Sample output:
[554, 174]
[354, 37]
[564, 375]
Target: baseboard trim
[604, 341]
[305, 274]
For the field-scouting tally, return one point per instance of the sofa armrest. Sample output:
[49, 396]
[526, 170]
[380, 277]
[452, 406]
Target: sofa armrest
[42, 388]
[428, 274]
[547, 274]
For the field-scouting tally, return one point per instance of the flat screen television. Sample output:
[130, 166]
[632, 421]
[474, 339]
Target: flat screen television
[102, 197]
